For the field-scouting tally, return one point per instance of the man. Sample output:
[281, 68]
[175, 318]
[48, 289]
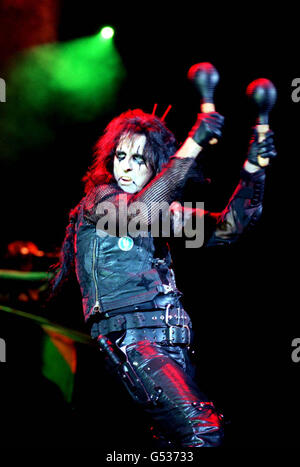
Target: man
[128, 288]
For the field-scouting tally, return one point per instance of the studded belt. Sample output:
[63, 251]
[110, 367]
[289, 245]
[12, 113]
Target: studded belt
[173, 335]
[171, 324]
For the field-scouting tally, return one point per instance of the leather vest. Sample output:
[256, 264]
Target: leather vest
[114, 272]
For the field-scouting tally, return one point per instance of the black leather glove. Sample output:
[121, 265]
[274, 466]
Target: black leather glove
[265, 149]
[207, 126]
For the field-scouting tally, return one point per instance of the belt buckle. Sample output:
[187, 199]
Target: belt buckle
[178, 316]
[181, 329]
[170, 326]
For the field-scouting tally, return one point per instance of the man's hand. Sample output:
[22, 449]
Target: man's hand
[265, 149]
[207, 127]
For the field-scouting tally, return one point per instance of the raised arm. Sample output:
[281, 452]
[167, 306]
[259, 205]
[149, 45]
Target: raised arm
[245, 206]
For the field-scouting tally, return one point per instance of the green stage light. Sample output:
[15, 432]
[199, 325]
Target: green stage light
[107, 32]
[76, 81]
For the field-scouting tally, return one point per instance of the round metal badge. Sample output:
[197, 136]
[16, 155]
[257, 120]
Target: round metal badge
[125, 243]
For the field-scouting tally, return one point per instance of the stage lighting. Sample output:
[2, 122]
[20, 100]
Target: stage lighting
[107, 32]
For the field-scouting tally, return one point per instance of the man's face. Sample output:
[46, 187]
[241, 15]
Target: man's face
[131, 170]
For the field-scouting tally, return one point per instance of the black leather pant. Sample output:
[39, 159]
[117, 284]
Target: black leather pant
[184, 416]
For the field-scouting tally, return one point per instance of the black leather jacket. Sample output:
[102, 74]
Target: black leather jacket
[111, 277]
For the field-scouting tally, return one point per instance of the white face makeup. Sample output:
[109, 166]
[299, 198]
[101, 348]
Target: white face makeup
[131, 170]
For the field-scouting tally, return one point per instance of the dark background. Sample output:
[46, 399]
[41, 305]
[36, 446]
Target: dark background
[241, 298]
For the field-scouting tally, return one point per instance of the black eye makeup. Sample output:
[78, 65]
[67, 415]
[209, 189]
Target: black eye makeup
[138, 158]
[120, 155]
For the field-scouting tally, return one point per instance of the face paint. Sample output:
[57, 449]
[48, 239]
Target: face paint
[131, 170]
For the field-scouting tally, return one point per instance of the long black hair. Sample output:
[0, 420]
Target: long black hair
[160, 146]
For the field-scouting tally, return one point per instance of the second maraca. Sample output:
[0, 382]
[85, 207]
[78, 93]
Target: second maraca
[263, 93]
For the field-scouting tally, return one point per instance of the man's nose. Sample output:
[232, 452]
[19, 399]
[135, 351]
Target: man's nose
[126, 165]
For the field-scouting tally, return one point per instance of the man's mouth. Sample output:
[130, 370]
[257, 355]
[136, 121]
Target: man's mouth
[126, 179]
